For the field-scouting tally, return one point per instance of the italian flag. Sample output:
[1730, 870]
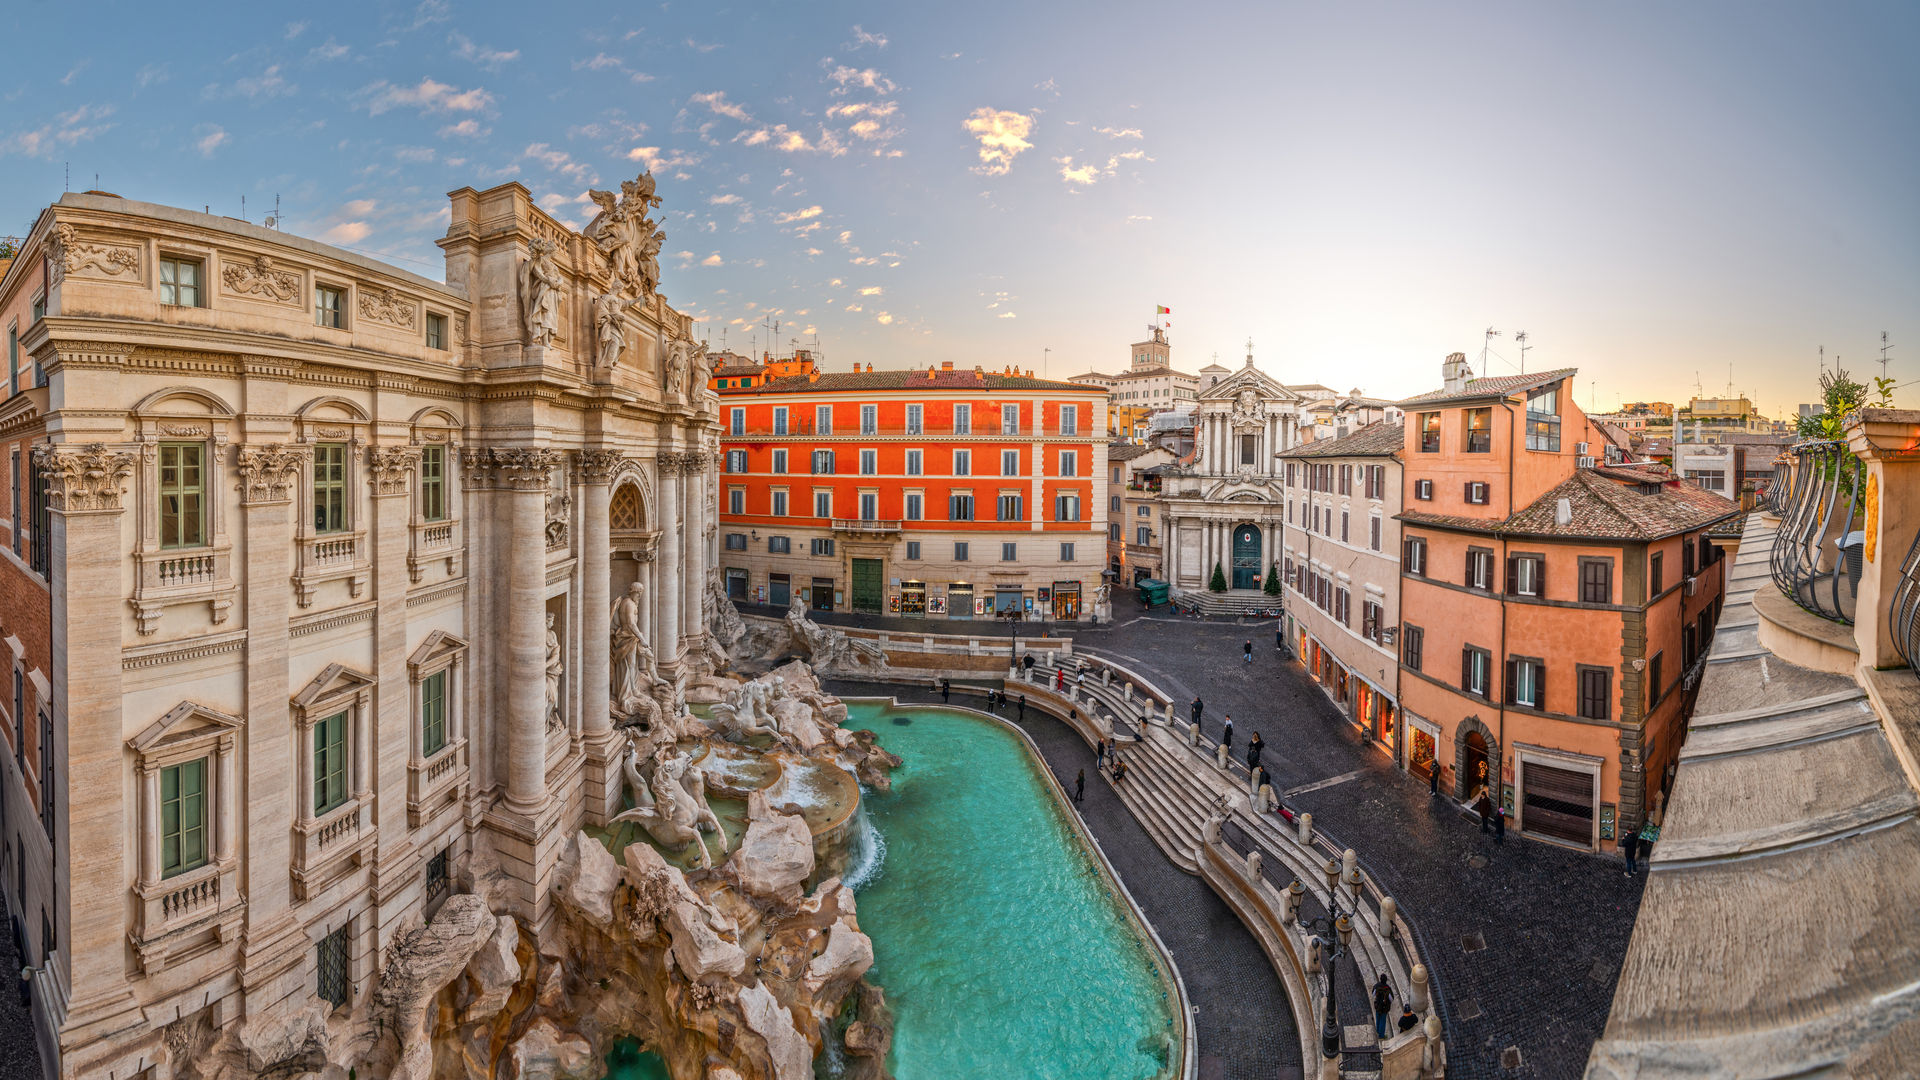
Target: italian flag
[1160, 310]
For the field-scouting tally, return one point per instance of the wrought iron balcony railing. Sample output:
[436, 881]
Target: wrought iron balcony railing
[1816, 558]
[1903, 613]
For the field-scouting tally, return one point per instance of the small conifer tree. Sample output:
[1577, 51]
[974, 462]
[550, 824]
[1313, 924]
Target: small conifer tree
[1219, 582]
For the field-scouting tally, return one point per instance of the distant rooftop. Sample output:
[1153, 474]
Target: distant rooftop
[1492, 386]
[1378, 439]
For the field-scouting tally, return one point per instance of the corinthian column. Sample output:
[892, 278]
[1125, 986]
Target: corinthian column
[523, 474]
[666, 631]
[693, 539]
[596, 582]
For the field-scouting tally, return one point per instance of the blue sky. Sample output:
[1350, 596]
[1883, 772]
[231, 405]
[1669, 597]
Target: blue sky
[1649, 191]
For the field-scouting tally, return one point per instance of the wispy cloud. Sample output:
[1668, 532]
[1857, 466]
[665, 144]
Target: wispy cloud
[782, 137]
[489, 58]
[295, 29]
[883, 318]
[658, 160]
[799, 215]
[700, 47]
[212, 137]
[1118, 133]
[598, 62]
[66, 129]
[328, 50]
[713, 260]
[716, 102]
[413, 154]
[465, 129]
[872, 290]
[347, 232]
[561, 162]
[74, 72]
[728, 199]
[424, 15]
[151, 75]
[269, 84]
[846, 78]
[862, 39]
[428, 96]
[1002, 134]
[1135, 219]
[1090, 173]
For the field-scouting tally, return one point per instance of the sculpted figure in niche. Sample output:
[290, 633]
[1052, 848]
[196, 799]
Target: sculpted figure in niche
[633, 670]
[701, 387]
[554, 670]
[540, 285]
[673, 380]
[610, 327]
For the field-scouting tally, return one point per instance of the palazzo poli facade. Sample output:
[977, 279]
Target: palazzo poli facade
[314, 566]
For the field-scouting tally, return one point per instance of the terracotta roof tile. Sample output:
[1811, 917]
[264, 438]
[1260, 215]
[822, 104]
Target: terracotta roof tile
[1607, 504]
[1126, 451]
[1378, 439]
[914, 379]
[1491, 386]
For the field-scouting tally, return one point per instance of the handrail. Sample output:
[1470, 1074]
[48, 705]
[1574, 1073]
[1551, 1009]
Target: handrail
[1903, 612]
[1816, 557]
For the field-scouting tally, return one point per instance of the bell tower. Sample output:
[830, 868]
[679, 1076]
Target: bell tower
[1155, 352]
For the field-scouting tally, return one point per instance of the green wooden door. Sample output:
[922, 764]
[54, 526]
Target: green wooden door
[867, 591]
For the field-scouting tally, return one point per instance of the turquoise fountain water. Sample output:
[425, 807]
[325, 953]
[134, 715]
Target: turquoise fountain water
[1001, 948]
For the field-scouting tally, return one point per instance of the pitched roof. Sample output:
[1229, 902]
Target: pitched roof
[738, 369]
[1607, 504]
[914, 379]
[1492, 386]
[1126, 451]
[1378, 439]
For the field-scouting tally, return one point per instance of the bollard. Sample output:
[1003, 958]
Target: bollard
[1417, 997]
[1306, 830]
[1128, 687]
[1295, 892]
[1350, 868]
[1266, 798]
[1106, 676]
[1433, 1058]
[1220, 755]
[1253, 866]
[1388, 911]
[1169, 720]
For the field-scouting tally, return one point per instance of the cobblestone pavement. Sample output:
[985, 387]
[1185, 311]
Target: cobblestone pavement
[1525, 939]
[19, 1055]
[1245, 1028]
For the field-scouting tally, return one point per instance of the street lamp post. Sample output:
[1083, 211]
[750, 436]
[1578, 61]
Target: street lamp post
[1331, 933]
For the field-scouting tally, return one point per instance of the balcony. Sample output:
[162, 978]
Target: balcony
[329, 846]
[1817, 555]
[433, 783]
[868, 526]
[433, 541]
[168, 576]
[330, 557]
[181, 914]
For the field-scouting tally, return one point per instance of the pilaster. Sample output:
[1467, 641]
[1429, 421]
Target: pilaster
[666, 627]
[596, 573]
[395, 857]
[1888, 440]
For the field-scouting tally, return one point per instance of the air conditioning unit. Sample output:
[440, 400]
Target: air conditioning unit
[1580, 449]
[1583, 461]
[1693, 585]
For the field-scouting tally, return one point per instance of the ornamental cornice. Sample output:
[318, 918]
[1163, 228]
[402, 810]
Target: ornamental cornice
[597, 466]
[268, 472]
[388, 467]
[88, 478]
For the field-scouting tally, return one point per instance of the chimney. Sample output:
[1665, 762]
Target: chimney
[1455, 373]
[1563, 511]
[946, 365]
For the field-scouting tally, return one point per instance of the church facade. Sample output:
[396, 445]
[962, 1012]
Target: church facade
[321, 560]
[1225, 510]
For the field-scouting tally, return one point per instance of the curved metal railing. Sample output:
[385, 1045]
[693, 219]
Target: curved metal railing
[1780, 489]
[1816, 557]
[1903, 613]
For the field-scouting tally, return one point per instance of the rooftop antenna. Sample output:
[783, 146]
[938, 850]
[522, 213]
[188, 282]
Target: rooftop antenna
[67, 185]
[243, 208]
[1044, 353]
[1485, 348]
[274, 221]
[1521, 337]
[1883, 353]
[1823, 359]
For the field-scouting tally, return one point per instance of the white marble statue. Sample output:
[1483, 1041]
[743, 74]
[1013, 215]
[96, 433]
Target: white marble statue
[632, 660]
[829, 650]
[673, 377]
[540, 289]
[610, 328]
[555, 669]
[747, 710]
[701, 387]
[627, 237]
[673, 808]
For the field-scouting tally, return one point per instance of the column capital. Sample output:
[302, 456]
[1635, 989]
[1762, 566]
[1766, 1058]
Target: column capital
[387, 467]
[268, 472]
[523, 468]
[597, 466]
[85, 478]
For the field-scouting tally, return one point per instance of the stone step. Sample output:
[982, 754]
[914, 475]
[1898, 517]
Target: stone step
[1154, 821]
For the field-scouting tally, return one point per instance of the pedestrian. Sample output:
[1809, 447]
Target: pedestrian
[1408, 1021]
[26, 988]
[1433, 779]
[1060, 678]
[1099, 752]
[1197, 708]
[946, 687]
[1484, 807]
[1248, 650]
[1630, 847]
[1382, 1005]
[1499, 824]
[1227, 738]
[1254, 747]
[1023, 706]
[1279, 639]
[1079, 785]
[1080, 677]
[1119, 770]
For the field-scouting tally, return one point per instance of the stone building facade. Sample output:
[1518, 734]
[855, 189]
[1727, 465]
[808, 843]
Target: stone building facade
[330, 555]
[1227, 508]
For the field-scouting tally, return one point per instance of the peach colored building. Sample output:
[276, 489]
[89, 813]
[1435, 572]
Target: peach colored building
[1554, 610]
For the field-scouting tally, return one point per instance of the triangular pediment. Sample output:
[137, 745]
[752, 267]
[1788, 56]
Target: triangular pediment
[184, 721]
[333, 681]
[438, 646]
[1267, 387]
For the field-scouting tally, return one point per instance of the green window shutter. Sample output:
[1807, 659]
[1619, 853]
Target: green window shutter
[329, 763]
[433, 714]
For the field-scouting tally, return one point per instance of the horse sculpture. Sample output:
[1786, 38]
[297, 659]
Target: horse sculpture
[673, 808]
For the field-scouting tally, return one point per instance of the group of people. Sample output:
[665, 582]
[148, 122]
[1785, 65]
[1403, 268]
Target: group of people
[1105, 756]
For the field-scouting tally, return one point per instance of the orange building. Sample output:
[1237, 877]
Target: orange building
[1554, 610]
[929, 492]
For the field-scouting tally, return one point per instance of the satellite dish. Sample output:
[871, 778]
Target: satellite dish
[271, 221]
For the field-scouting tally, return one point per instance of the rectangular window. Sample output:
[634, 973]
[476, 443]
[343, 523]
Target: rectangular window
[433, 713]
[1479, 431]
[779, 504]
[780, 545]
[329, 487]
[1423, 489]
[329, 307]
[1523, 575]
[1010, 508]
[1346, 479]
[959, 551]
[438, 878]
[436, 331]
[823, 463]
[1066, 508]
[1412, 639]
[736, 421]
[913, 551]
[1413, 556]
[914, 511]
[963, 419]
[1373, 532]
[869, 419]
[433, 483]
[1429, 432]
[42, 511]
[1596, 693]
[1596, 581]
[1009, 463]
[1474, 673]
[180, 284]
[1656, 574]
[18, 492]
[823, 419]
[869, 506]
[959, 508]
[915, 414]
[779, 419]
[1009, 419]
[331, 960]
[1066, 552]
[1476, 492]
[823, 545]
[1524, 680]
[1069, 419]
[869, 462]
[780, 462]
[823, 504]
[736, 461]
[1009, 552]
[1113, 504]
[183, 817]
[183, 505]
[1343, 526]
[1370, 621]
[1247, 443]
[1479, 573]
[13, 360]
[736, 500]
[1656, 688]
[329, 763]
[1543, 419]
[1069, 463]
[963, 463]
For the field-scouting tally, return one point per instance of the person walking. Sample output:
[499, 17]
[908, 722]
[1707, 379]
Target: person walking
[1023, 706]
[1254, 746]
[1079, 785]
[1198, 707]
[1226, 739]
[946, 688]
[1499, 824]
[1433, 780]
[1484, 807]
[1059, 678]
[1630, 847]
[1247, 650]
[1408, 1019]
[1382, 1005]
